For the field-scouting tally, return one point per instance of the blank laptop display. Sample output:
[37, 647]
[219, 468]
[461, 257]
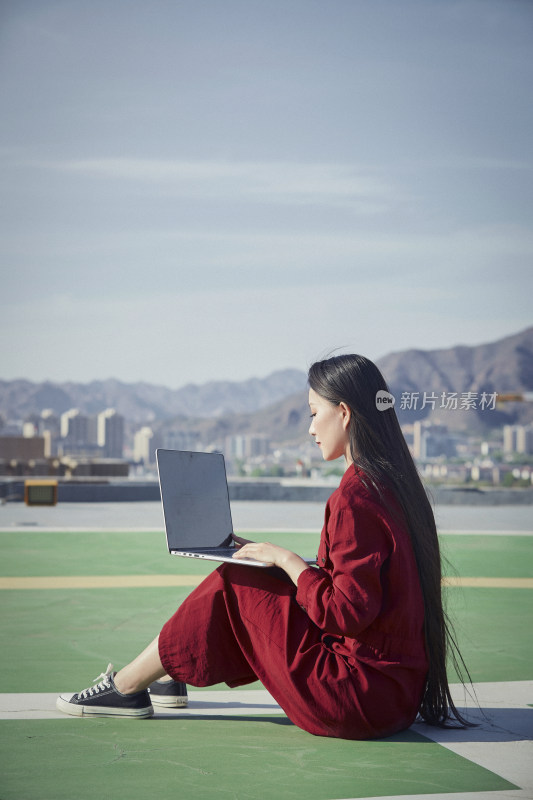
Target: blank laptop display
[196, 507]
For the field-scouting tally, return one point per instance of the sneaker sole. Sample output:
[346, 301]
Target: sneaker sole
[101, 711]
[169, 702]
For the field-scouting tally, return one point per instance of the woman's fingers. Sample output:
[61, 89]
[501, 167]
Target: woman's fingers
[239, 541]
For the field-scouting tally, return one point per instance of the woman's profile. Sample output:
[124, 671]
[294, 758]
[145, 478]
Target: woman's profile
[354, 647]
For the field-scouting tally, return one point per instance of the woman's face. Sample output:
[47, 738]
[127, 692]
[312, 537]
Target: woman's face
[329, 426]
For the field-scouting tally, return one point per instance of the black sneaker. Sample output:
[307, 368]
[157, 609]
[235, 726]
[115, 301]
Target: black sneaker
[170, 694]
[105, 700]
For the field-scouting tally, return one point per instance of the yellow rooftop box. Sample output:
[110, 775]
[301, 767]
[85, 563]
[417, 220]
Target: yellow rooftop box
[40, 492]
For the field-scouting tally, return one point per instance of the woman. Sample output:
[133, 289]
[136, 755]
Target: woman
[355, 648]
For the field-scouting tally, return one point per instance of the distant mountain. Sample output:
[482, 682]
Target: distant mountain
[143, 402]
[285, 422]
[221, 408]
[504, 366]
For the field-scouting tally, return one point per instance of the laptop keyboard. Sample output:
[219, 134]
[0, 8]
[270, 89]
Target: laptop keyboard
[214, 551]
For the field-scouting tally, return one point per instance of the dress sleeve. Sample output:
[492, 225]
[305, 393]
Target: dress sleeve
[345, 597]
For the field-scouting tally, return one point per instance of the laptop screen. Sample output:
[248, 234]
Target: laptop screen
[194, 492]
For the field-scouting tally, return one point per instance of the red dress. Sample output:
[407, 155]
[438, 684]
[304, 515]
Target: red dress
[343, 653]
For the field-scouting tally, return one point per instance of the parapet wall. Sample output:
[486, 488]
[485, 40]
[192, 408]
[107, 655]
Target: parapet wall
[115, 491]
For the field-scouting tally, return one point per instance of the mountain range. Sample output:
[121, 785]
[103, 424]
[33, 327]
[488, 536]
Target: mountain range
[144, 402]
[278, 403]
[504, 366]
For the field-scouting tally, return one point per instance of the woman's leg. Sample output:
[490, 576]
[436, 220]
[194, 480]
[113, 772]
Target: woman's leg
[242, 624]
[142, 671]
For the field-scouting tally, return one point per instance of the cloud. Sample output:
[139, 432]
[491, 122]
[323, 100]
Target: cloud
[275, 182]
[471, 259]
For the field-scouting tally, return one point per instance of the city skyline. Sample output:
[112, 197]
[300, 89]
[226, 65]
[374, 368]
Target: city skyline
[215, 192]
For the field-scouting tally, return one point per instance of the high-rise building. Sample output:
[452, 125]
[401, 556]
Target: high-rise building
[49, 428]
[518, 439]
[29, 429]
[49, 422]
[111, 433]
[142, 446]
[247, 446]
[524, 439]
[75, 427]
[432, 441]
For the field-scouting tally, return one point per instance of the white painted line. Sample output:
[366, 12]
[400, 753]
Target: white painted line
[234, 702]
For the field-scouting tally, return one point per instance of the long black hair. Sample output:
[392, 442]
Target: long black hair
[379, 449]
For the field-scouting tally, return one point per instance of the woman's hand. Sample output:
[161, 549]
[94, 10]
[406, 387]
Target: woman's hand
[275, 556]
[239, 541]
[262, 551]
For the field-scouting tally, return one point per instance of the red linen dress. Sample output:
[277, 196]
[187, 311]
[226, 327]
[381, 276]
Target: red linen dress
[343, 652]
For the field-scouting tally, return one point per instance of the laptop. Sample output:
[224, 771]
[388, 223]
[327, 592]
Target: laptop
[196, 508]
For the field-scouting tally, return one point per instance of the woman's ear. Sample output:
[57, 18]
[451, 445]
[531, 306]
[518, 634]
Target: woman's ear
[346, 415]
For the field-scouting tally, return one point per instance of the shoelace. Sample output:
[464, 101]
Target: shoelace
[104, 684]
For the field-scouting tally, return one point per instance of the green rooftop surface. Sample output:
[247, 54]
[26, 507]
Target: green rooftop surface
[235, 757]
[57, 640]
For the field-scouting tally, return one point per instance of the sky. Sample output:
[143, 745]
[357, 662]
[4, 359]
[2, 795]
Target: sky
[197, 190]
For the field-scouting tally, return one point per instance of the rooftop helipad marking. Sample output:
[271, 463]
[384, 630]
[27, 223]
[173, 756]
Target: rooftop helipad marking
[154, 581]
[99, 581]
[489, 583]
